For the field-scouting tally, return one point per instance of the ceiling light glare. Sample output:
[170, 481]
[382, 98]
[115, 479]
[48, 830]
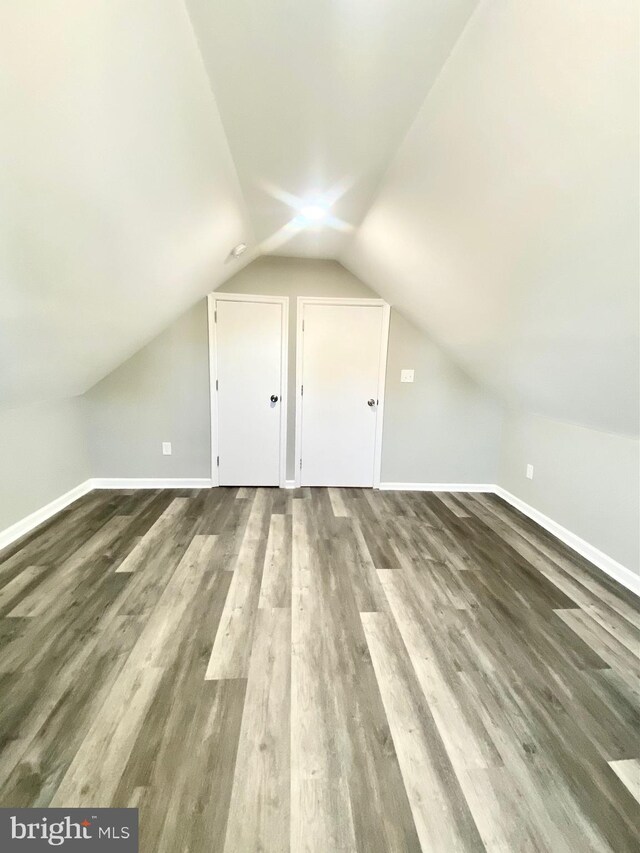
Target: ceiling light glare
[314, 214]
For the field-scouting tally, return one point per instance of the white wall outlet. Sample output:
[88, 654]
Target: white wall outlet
[166, 448]
[406, 376]
[529, 472]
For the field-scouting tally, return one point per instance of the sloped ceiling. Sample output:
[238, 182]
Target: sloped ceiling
[315, 96]
[507, 225]
[119, 201]
[482, 159]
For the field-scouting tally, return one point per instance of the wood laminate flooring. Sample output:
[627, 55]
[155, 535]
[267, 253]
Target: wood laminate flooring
[320, 670]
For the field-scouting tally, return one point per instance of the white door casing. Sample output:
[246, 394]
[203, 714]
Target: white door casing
[248, 338]
[341, 355]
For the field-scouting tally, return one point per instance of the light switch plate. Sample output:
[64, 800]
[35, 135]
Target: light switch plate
[406, 376]
[530, 472]
[166, 448]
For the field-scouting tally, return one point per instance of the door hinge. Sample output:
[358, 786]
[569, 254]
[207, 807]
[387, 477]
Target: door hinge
[215, 316]
[301, 464]
[218, 461]
[302, 390]
[303, 325]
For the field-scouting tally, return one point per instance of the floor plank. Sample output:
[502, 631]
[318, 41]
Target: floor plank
[439, 808]
[320, 670]
[259, 810]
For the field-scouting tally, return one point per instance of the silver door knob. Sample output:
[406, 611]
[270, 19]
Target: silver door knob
[371, 402]
[274, 398]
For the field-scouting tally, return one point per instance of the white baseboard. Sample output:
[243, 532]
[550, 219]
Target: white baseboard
[29, 522]
[607, 564]
[290, 484]
[437, 487]
[151, 483]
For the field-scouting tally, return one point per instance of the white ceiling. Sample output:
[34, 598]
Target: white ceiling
[119, 201]
[315, 97]
[484, 160]
[507, 225]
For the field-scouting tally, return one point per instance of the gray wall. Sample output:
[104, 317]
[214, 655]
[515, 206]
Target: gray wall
[42, 455]
[584, 479]
[441, 428]
[160, 394]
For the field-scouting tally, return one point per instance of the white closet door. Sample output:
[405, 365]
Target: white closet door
[249, 372]
[342, 346]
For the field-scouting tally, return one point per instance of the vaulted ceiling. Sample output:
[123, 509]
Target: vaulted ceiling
[119, 200]
[508, 222]
[315, 97]
[480, 160]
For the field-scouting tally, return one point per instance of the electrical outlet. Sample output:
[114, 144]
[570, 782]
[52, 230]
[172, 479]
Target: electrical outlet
[529, 472]
[406, 375]
[166, 448]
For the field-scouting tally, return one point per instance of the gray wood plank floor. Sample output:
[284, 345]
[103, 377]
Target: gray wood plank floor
[320, 670]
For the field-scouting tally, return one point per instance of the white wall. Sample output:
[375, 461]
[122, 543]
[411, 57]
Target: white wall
[443, 428]
[43, 454]
[584, 479]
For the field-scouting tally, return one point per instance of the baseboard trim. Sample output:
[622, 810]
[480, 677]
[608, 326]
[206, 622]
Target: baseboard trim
[290, 484]
[151, 483]
[603, 561]
[630, 580]
[34, 519]
[437, 487]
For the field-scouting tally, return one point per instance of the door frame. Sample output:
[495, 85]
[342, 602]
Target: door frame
[382, 373]
[212, 301]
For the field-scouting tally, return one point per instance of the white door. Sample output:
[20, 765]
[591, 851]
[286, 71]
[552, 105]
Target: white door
[249, 364]
[342, 350]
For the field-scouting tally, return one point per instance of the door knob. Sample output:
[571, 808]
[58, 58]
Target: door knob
[371, 402]
[274, 398]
